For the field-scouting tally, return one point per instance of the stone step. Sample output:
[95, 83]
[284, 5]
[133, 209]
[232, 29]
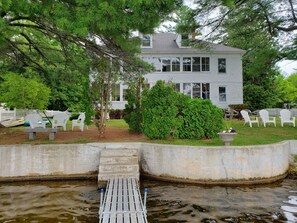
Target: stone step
[107, 176]
[118, 163]
[118, 160]
[119, 152]
[118, 168]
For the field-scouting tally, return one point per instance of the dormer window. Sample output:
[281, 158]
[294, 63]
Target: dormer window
[146, 41]
[185, 40]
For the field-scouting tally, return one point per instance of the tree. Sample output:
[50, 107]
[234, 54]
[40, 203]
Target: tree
[275, 16]
[24, 93]
[105, 30]
[133, 109]
[262, 52]
[46, 35]
[287, 89]
[160, 111]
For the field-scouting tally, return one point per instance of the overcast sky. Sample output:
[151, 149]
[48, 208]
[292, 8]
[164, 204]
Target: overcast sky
[288, 67]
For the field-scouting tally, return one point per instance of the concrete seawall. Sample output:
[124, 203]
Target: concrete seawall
[208, 165]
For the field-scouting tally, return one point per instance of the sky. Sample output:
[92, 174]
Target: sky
[287, 67]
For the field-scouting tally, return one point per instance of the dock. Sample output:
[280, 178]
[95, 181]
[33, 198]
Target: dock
[122, 202]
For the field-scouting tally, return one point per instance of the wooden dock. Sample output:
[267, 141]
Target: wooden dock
[122, 202]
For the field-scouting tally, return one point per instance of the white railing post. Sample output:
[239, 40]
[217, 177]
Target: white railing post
[14, 114]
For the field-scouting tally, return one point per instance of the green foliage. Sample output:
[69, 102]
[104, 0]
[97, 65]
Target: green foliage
[20, 92]
[133, 109]
[116, 114]
[186, 22]
[201, 119]
[262, 52]
[160, 111]
[287, 89]
[57, 39]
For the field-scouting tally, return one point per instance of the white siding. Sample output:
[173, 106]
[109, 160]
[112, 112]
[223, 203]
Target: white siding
[232, 79]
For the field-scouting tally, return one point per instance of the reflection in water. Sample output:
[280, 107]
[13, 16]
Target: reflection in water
[167, 202]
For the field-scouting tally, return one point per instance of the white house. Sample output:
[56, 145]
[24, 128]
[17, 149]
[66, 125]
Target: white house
[213, 72]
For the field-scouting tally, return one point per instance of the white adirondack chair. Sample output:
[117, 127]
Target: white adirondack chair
[285, 116]
[247, 118]
[60, 120]
[35, 121]
[79, 122]
[264, 114]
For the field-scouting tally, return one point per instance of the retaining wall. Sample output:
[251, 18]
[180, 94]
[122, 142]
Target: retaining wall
[171, 162]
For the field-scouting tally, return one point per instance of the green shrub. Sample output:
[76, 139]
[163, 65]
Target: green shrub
[116, 114]
[74, 116]
[133, 110]
[201, 119]
[160, 111]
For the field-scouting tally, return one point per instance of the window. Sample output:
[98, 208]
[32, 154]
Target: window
[222, 65]
[195, 63]
[196, 90]
[205, 63]
[166, 65]
[157, 63]
[205, 90]
[115, 92]
[222, 94]
[146, 41]
[177, 87]
[187, 64]
[185, 41]
[176, 64]
[187, 89]
[125, 91]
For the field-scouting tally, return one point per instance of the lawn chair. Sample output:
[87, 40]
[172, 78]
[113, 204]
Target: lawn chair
[79, 122]
[230, 113]
[60, 120]
[264, 114]
[285, 116]
[247, 118]
[35, 121]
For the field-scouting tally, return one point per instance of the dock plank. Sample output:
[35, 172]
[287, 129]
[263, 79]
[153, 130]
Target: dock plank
[122, 202]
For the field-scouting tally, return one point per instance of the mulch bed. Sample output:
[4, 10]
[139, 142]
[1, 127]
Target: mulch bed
[17, 136]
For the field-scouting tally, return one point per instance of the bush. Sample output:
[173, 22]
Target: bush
[116, 114]
[201, 119]
[74, 116]
[160, 111]
[238, 107]
[133, 110]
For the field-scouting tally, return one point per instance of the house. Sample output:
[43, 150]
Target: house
[212, 72]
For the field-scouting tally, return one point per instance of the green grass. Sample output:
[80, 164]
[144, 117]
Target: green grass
[117, 123]
[245, 135]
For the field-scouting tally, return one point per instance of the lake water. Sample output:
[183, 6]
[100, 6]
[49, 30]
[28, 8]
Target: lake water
[78, 201]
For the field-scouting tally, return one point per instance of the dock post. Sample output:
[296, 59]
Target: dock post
[101, 196]
[145, 195]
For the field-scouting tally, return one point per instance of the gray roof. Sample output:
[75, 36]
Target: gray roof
[166, 43]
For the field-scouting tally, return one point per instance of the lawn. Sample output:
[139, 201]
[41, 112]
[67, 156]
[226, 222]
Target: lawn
[118, 131]
[245, 135]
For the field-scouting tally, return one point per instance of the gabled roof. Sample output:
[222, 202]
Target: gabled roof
[166, 43]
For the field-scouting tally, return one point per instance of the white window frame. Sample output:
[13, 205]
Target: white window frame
[191, 84]
[225, 94]
[150, 39]
[219, 65]
[209, 62]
